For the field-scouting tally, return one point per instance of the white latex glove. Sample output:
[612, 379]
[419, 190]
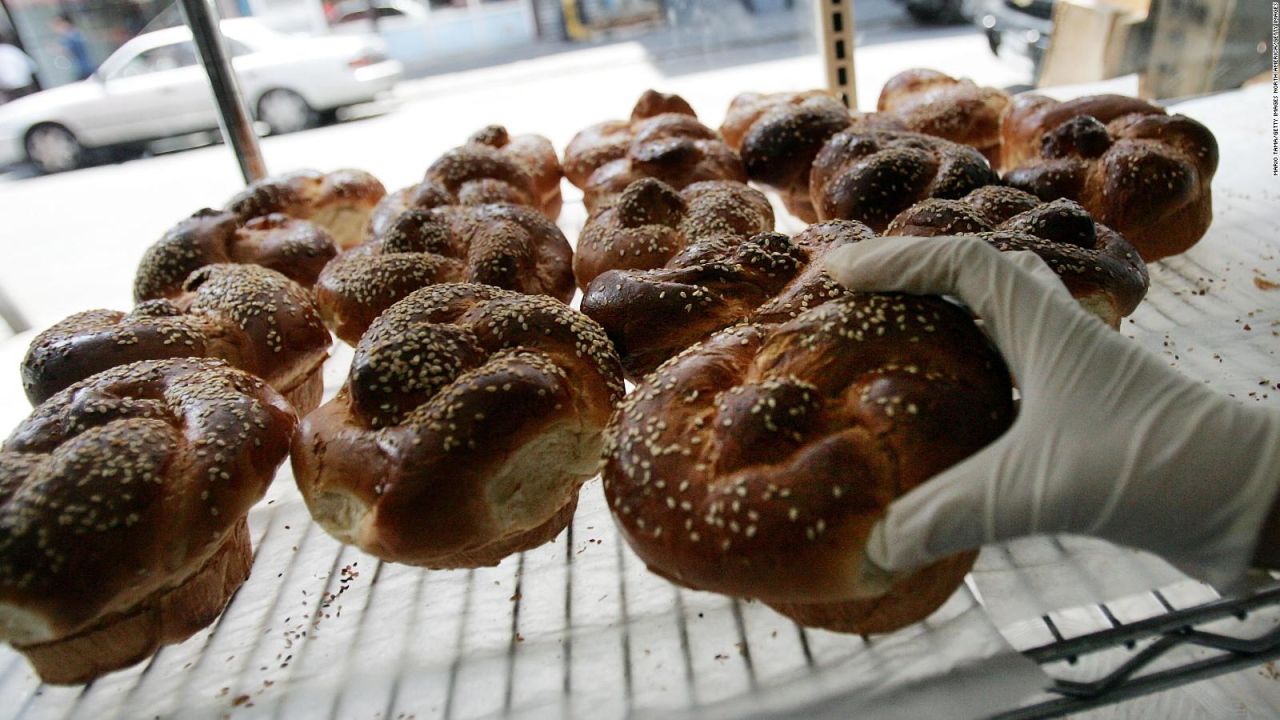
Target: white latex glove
[1109, 440]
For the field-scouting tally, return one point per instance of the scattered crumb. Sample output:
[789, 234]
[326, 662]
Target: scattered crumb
[1265, 284]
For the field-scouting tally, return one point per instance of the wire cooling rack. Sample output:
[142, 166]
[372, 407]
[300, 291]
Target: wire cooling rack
[579, 628]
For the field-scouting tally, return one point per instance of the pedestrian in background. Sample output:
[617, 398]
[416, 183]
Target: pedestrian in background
[73, 42]
[17, 71]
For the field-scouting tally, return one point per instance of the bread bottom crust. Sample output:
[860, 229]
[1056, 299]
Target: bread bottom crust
[166, 617]
[494, 552]
[910, 600]
[305, 396]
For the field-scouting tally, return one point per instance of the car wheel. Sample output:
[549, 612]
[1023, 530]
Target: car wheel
[53, 148]
[285, 111]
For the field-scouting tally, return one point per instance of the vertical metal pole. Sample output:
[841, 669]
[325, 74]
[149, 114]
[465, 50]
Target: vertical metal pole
[11, 316]
[835, 21]
[233, 116]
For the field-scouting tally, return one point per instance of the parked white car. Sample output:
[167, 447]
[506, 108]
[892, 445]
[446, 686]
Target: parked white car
[154, 87]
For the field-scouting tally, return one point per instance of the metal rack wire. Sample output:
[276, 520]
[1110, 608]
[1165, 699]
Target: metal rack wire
[1147, 641]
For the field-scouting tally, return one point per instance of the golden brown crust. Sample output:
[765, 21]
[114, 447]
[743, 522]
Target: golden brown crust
[1097, 265]
[871, 175]
[338, 201]
[1029, 116]
[469, 419]
[426, 195]
[166, 618]
[506, 246]
[122, 487]
[537, 156]
[662, 140]
[607, 141]
[294, 248]
[805, 109]
[934, 103]
[712, 284]
[650, 222]
[493, 167]
[254, 318]
[911, 600]
[755, 463]
[1134, 168]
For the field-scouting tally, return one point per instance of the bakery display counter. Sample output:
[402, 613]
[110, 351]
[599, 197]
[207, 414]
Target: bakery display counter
[579, 628]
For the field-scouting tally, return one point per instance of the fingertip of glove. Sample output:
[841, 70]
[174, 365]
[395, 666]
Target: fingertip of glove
[841, 263]
[873, 579]
[868, 265]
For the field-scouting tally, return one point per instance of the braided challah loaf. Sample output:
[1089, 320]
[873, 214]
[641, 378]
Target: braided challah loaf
[123, 503]
[650, 222]
[778, 135]
[340, 201]
[294, 248]
[872, 175]
[1142, 172]
[934, 103]
[1099, 267]
[254, 318]
[494, 167]
[755, 463]
[711, 284]
[662, 140]
[469, 419]
[506, 246]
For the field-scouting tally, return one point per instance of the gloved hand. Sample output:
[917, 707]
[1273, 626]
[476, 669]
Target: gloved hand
[1109, 440]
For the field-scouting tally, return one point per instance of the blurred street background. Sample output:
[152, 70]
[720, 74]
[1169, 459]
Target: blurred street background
[71, 240]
